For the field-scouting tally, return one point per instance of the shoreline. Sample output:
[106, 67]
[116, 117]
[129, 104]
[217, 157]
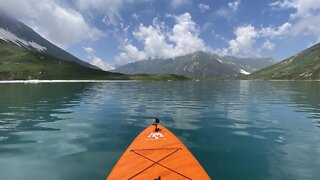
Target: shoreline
[36, 81]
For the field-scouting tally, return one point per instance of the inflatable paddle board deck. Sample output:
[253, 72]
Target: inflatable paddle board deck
[157, 155]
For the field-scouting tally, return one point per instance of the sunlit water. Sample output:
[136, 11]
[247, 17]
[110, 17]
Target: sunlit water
[236, 129]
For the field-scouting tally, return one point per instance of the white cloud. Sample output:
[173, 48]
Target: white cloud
[305, 20]
[307, 26]
[221, 51]
[154, 40]
[282, 30]
[224, 12]
[234, 5]
[268, 45]
[61, 25]
[101, 5]
[110, 8]
[219, 37]
[185, 36]
[207, 26]
[304, 8]
[244, 41]
[229, 11]
[162, 42]
[95, 60]
[100, 63]
[89, 50]
[203, 7]
[135, 16]
[130, 54]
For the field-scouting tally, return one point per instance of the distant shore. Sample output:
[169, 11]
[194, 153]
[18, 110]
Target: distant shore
[34, 81]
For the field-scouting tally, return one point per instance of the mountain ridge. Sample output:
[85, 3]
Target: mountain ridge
[17, 63]
[304, 65]
[27, 35]
[199, 64]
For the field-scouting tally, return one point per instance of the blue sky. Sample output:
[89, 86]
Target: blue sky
[108, 33]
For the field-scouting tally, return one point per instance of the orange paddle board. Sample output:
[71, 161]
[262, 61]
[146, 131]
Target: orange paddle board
[157, 155]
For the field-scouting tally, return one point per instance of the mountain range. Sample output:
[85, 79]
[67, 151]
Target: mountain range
[198, 65]
[24, 54]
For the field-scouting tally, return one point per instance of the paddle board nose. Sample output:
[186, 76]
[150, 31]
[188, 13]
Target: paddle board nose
[157, 154]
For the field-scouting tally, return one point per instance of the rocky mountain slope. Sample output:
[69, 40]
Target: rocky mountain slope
[15, 32]
[198, 65]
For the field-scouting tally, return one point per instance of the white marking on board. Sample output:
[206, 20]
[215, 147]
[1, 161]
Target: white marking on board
[155, 135]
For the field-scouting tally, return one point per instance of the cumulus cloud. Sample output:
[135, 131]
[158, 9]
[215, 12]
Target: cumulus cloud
[280, 31]
[61, 25]
[130, 53]
[185, 35]
[95, 60]
[203, 7]
[221, 51]
[243, 43]
[304, 8]
[160, 41]
[246, 36]
[305, 19]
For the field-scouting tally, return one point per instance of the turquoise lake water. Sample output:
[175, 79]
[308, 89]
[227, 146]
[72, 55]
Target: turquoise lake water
[236, 129]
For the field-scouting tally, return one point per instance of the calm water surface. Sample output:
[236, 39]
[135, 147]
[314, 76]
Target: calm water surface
[236, 129]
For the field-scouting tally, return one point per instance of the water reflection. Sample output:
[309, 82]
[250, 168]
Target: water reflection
[236, 129]
[300, 157]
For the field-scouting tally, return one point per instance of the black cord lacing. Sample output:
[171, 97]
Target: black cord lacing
[157, 162]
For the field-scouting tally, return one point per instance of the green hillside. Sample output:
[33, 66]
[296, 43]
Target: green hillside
[303, 66]
[21, 64]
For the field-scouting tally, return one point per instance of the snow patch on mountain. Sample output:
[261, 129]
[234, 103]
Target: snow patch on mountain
[37, 46]
[220, 61]
[244, 72]
[8, 36]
